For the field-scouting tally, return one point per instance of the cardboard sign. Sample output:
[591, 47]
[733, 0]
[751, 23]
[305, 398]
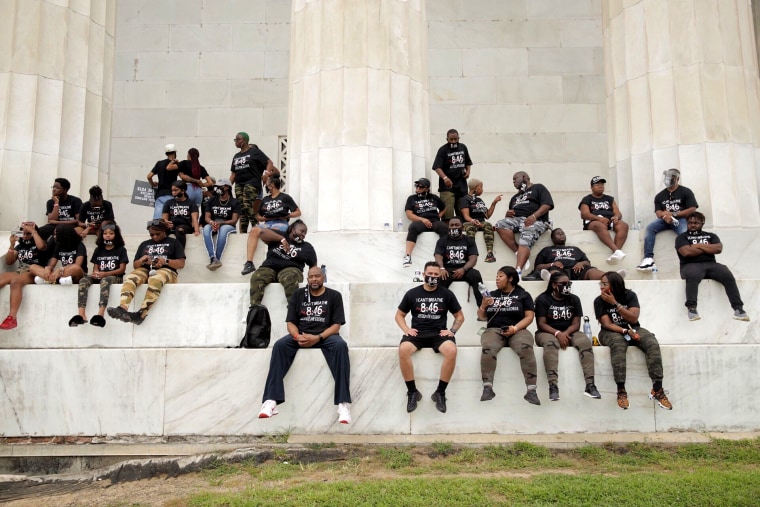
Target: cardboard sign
[142, 194]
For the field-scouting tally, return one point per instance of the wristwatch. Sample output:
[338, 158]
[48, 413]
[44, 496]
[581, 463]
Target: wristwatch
[321, 338]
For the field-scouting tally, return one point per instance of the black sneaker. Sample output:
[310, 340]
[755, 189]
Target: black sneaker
[413, 398]
[488, 393]
[440, 401]
[248, 268]
[119, 313]
[553, 392]
[136, 318]
[532, 397]
[592, 392]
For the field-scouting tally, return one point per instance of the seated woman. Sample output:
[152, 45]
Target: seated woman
[509, 311]
[475, 215]
[109, 263]
[72, 254]
[275, 211]
[180, 213]
[222, 214]
[617, 310]
[93, 213]
[28, 249]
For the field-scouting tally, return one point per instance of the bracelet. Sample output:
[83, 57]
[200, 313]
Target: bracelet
[556, 333]
[453, 331]
[534, 216]
[321, 338]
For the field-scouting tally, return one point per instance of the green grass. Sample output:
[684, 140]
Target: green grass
[718, 473]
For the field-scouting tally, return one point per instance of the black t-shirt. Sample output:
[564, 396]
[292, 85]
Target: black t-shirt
[249, 166]
[603, 308]
[223, 210]
[29, 254]
[559, 314]
[273, 208]
[68, 208]
[313, 314]
[186, 168]
[453, 162]
[109, 260]
[429, 308]
[527, 203]
[180, 212]
[96, 215]
[168, 248]
[508, 308]
[298, 256]
[425, 205]
[569, 256]
[599, 206]
[476, 206]
[680, 199]
[165, 177]
[69, 256]
[455, 252]
[692, 238]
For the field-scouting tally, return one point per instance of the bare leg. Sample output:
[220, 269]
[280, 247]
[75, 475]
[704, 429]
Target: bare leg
[405, 351]
[252, 242]
[449, 352]
[508, 237]
[409, 248]
[17, 286]
[621, 234]
[593, 274]
[523, 252]
[603, 233]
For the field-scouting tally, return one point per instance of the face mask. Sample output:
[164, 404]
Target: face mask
[297, 239]
[108, 242]
[668, 181]
[455, 233]
[181, 195]
[218, 190]
[269, 190]
[431, 280]
[453, 145]
[564, 290]
[523, 185]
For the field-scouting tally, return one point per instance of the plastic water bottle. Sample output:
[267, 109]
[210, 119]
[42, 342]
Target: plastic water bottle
[483, 290]
[387, 226]
[638, 225]
[675, 221]
[587, 327]
[417, 276]
[324, 271]
[399, 225]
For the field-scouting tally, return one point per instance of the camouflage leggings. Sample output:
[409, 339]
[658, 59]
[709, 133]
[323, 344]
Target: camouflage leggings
[247, 195]
[521, 342]
[155, 284]
[105, 289]
[470, 229]
[551, 348]
[618, 348]
[288, 277]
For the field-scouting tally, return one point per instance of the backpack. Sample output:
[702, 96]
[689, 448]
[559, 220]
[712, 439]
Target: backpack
[258, 328]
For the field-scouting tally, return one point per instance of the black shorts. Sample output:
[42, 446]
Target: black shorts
[427, 341]
[610, 226]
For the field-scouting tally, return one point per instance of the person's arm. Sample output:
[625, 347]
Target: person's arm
[617, 215]
[175, 264]
[232, 221]
[12, 254]
[629, 314]
[442, 175]
[466, 215]
[269, 236]
[685, 212]
[492, 208]
[690, 250]
[522, 324]
[232, 178]
[294, 214]
[710, 248]
[208, 219]
[541, 211]
[471, 261]
[587, 215]
[149, 177]
[309, 340]
[458, 321]
[401, 323]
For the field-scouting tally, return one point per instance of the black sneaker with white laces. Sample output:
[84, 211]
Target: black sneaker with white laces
[248, 268]
[440, 401]
[412, 399]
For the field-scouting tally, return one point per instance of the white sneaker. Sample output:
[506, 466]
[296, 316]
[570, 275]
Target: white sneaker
[39, 280]
[344, 413]
[617, 256]
[622, 273]
[268, 409]
[526, 267]
[546, 275]
[407, 261]
[65, 280]
[647, 263]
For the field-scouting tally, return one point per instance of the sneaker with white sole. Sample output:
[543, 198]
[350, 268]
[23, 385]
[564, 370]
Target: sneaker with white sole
[646, 264]
[623, 273]
[268, 409]
[592, 392]
[740, 314]
[661, 398]
[39, 280]
[344, 413]
[693, 315]
[616, 257]
[66, 280]
[407, 261]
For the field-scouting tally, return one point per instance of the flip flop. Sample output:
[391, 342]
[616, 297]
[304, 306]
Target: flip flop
[77, 320]
[98, 321]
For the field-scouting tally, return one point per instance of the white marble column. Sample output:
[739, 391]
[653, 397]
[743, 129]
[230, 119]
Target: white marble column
[683, 91]
[56, 62]
[358, 121]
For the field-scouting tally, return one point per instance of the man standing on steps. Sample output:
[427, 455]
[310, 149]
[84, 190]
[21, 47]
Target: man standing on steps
[315, 315]
[672, 205]
[250, 166]
[696, 251]
[429, 304]
[452, 164]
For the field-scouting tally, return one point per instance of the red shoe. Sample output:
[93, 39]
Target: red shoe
[9, 323]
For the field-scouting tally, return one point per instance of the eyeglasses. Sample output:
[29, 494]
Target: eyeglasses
[420, 186]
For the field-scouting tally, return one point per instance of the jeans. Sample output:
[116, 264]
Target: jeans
[159, 206]
[195, 194]
[221, 239]
[658, 226]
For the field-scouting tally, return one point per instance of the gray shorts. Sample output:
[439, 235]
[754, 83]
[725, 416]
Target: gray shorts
[528, 235]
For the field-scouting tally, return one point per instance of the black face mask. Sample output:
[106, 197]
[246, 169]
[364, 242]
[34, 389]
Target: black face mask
[218, 190]
[181, 195]
[431, 280]
[455, 232]
[297, 239]
[563, 290]
[108, 242]
[454, 145]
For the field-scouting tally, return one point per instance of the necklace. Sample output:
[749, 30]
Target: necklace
[224, 202]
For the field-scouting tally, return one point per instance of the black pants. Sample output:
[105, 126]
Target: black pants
[695, 272]
[472, 277]
[335, 350]
[416, 228]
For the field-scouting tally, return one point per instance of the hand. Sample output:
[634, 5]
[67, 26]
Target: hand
[604, 220]
[497, 199]
[427, 223]
[284, 244]
[487, 301]
[476, 223]
[508, 331]
[447, 181]
[445, 274]
[578, 267]
[510, 213]
[13, 240]
[97, 275]
[307, 340]
[564, 339]
[411, 332]
[458, 273]
[446, 332]
[55, 199]
[607, 297]
[196, 232]
[530, 221]
[215, 226]
[668, 218]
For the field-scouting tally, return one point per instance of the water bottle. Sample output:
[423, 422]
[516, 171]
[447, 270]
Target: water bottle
[387, 226]
[638, 225]
[483, 290]
[417, 276]
[675, 221]
[324, 271]
[587, 327]
[399, 225]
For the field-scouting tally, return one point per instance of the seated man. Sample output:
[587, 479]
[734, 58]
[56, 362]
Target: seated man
[62, 209]
[424, 210]
[315, 315]
[429, 305]
[287, 255]
[600, 213]
[528, 214]
[672, 205]
[94, 212]
[475, 215]
[457, 255]
[157, 261]
[696, 250]
[569, 258]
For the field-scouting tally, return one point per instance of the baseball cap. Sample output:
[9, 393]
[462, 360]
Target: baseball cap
[223, 182]
[423, 182]
[170, 148]
[597, 179]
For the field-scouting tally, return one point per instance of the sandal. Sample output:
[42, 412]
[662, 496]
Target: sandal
[77, 320]
[98, 321]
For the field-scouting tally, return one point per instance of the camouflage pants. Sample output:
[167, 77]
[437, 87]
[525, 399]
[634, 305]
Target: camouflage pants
[619, 346]
[521, 342]
[155, 284]
[105, 289]
[247, 195]
[551, 354]
[288, 277]
[470, 230]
